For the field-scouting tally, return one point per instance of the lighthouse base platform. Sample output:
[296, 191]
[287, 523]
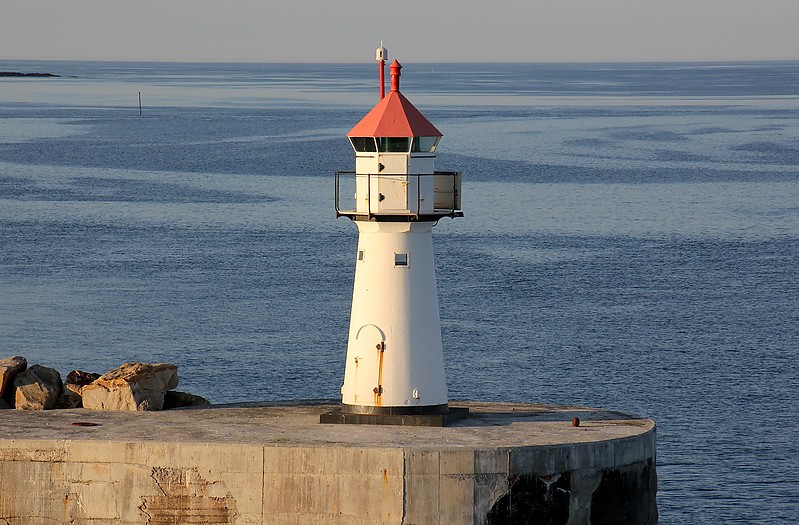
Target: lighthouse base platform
[341, 417]
[276, 464]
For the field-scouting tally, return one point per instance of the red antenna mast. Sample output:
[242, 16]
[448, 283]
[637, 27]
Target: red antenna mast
[382, 56]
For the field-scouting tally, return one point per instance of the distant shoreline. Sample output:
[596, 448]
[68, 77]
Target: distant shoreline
[16, 74]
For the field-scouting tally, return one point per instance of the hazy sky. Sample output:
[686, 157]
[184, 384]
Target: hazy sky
[413, 30]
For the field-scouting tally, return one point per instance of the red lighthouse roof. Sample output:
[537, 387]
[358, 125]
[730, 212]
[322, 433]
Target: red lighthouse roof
[394, 116]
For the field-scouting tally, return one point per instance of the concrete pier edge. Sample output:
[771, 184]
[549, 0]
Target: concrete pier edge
[266, 463]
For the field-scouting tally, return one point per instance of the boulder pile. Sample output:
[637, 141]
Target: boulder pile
[132, 386]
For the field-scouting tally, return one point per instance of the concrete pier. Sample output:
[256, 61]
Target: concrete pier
[276, 464]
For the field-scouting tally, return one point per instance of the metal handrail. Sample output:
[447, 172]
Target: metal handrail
[454, 211]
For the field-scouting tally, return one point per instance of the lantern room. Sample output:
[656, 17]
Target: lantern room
[395, 177]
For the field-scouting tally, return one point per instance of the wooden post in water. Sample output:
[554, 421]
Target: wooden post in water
[140, 103]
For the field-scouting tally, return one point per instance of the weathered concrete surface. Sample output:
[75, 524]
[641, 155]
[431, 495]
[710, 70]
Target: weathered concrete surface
[508, 463]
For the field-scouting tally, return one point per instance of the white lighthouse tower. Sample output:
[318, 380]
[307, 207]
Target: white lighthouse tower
[395, 365]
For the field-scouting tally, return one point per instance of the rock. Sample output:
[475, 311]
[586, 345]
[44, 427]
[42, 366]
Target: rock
[72, 396]
[69, 399]
[132, 386]
[18, 74]
[175, 399]
[80, 378]
[37, 388]
[10, 367]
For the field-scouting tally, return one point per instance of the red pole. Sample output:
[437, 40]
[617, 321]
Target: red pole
[382, 79]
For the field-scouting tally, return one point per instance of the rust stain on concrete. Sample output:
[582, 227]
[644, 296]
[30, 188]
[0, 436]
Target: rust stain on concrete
[187, 499]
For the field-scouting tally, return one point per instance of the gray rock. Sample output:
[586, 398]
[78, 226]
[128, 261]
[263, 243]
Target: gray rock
[132, 386]
[37, 388]
[79, 378]
[10, 367]
[72, 396]
[175, 399]
[69, 398]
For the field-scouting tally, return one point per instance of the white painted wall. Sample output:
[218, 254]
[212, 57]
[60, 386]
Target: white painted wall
[397, 305]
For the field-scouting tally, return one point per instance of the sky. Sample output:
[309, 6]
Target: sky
[331, 31]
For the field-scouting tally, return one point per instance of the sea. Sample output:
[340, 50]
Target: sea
[630, 241]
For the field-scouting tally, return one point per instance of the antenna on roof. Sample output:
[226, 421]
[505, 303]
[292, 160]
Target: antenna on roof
[381, 56]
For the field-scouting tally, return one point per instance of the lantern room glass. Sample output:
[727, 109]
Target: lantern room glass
[363, 144]
[395, 144]
[424, 144]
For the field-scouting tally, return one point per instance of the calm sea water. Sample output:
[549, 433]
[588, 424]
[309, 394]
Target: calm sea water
[631, 241]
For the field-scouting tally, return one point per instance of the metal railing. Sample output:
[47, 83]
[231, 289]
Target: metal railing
[446, 195]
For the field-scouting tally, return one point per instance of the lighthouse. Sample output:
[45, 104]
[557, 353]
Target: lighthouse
[395, 366]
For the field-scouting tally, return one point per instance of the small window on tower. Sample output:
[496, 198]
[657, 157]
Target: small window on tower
[400, 259]
[360, 255]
